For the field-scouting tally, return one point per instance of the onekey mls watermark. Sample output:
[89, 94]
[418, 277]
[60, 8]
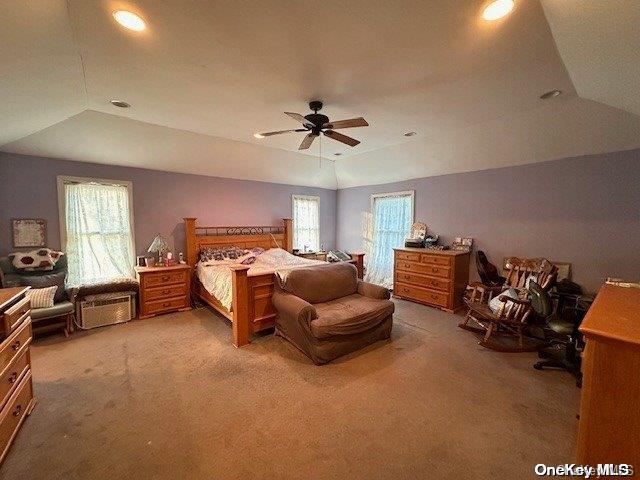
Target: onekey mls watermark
[585, 471]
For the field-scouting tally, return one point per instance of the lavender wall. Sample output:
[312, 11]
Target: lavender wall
[160, 199]
[582, 210]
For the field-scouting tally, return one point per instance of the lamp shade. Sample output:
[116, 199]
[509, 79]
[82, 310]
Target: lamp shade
[159, 244]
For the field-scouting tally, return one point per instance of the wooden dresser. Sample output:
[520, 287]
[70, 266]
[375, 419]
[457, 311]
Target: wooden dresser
[609, 428]
[164, 289]
[433, 277]
[16, 386]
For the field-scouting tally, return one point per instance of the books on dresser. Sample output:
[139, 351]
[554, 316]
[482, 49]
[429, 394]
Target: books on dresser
[434, 277]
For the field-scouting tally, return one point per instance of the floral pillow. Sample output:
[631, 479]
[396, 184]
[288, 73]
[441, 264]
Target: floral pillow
[41, 259]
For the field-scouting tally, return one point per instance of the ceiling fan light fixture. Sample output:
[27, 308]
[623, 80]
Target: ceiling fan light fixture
[497, 9]
[129, 20]
[337, 154]
[258, 135]
[551, 94]
[410, 134]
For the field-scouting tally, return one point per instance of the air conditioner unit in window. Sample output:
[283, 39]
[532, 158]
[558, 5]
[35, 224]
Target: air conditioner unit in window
[106, 309]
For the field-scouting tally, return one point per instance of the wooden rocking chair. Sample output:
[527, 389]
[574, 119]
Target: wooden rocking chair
[500, 329]
[511, 318]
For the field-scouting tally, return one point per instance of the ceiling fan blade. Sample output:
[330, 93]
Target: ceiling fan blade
[352, 142]
[352, 122]
[300, 118]
[268, 134]
[307, 141]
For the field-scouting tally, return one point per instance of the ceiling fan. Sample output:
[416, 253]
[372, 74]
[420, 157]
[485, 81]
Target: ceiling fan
[316, 123]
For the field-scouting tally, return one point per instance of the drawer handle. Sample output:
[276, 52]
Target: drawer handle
[13, 377]
[406, 265]
[17, 411]
[166, 304]
[16, 345]
[405, 289]
[406, 277]
[434, 297]
[166, 291]
[434, 269]
[165, 277]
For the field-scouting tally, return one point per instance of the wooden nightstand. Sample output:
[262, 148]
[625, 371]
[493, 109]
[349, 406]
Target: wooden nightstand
[164, 289]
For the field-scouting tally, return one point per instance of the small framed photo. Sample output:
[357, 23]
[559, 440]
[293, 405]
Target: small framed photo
[463, 244]
[29, 232]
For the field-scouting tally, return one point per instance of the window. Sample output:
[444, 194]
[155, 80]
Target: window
[96, 228]
[306, 222]
[392, 217]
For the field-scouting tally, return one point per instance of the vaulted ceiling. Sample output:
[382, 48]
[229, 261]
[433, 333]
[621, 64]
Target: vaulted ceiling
[206, 75]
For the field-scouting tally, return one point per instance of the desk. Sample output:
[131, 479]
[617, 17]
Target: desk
[609, 430]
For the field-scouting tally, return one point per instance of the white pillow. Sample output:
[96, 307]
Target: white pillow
[496, 303]
[42, 297]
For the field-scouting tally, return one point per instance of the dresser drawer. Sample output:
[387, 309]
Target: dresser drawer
[9, 380]
[161, 306]
[425, 295]
[14, 412]
[435, 259]
[423, 281]
[169, 291]
[164, 278]
[14, 315]
[412, 256]
[409, 266]
[13, 346]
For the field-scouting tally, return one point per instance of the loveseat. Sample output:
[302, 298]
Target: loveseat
[326, 311]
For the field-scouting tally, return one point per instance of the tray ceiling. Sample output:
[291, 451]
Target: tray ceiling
[206, 75]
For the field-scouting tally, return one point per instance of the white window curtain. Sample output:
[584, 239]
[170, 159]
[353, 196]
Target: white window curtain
[392, 217]
[99, 239]
[306, 222]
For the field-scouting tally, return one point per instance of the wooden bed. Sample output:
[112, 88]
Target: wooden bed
[252, 310]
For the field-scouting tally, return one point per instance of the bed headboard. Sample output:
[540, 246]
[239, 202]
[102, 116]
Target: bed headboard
[245, 237]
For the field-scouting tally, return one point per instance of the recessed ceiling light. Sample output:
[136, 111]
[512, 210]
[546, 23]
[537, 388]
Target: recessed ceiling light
[551, 94]
[120, 104]
[497, 9]
[129, 20]
[258, 135]
[410, 134]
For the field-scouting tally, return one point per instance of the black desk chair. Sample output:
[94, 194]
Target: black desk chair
[563, 335]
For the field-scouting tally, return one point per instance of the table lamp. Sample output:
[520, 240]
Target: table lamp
[160, 246]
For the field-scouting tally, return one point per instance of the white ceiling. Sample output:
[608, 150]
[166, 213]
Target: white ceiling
[206, 75]
[599, 43]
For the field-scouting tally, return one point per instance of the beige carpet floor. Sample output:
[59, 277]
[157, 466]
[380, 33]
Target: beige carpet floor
[170, 398]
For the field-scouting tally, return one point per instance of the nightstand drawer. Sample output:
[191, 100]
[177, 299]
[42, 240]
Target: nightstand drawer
[154, 293]
[164, 278]
[161, 306]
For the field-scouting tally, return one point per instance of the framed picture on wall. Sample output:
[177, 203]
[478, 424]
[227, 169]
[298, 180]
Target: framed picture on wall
[29, 232]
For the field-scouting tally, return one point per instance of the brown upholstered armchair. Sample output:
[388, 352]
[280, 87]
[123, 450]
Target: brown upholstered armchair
[326, 312]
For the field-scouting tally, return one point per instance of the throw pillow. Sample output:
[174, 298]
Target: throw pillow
[41, 297]
[41, 259]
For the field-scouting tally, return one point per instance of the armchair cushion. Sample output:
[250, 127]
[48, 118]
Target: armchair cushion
[58, 309]
[350, 315]
[294, 308]
[47, 280]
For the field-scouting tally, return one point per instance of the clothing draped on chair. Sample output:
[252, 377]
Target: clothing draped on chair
[99, 235]
[392, 219]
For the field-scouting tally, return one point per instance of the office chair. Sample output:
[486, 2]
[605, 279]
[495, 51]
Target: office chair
[559, 332]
